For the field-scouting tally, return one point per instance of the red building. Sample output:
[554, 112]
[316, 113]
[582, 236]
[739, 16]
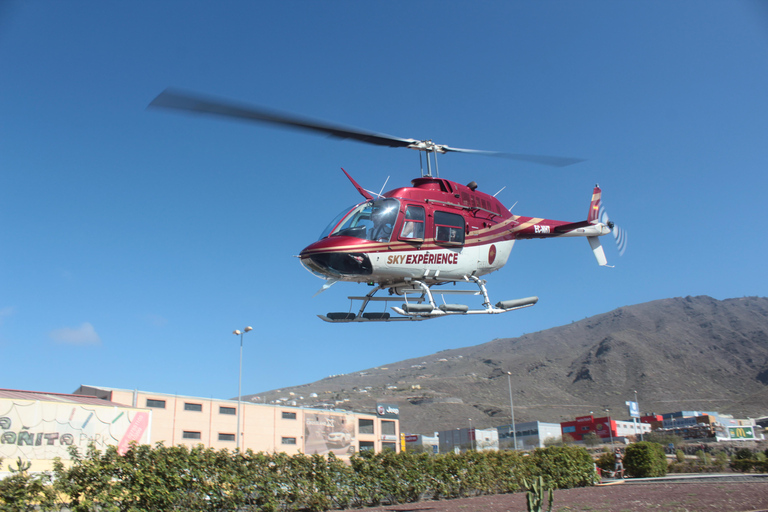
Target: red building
[601, 427]
[605, 427]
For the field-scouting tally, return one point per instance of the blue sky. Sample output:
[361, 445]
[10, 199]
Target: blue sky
[134, 242]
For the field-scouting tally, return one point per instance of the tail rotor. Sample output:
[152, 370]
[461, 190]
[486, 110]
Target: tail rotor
[619, 235]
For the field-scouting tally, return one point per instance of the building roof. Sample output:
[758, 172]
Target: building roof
[44, 396]
[105, 389]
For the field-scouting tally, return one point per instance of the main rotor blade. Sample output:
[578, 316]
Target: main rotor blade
[554, 161]
[178, 100]
[192, 103]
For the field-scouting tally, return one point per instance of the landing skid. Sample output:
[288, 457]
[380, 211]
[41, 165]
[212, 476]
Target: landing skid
[419, 304]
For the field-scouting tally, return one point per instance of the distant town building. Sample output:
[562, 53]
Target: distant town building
[708, 425]
[465, 439]
[605, 428]
[419, 442]
[39, 426]
[272, 428]
[531, 434]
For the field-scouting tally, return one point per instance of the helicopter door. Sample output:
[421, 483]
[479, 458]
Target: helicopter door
[413, 224]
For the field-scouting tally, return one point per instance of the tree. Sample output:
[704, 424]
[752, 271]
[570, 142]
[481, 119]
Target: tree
[645, 459]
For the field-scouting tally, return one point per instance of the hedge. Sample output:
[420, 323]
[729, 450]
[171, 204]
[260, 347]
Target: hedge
[182, 478]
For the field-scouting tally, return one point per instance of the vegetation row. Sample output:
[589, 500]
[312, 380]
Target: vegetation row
[181, 478]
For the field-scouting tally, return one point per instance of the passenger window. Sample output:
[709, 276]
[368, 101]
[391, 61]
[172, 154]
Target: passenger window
[413, 224]
[449, 228]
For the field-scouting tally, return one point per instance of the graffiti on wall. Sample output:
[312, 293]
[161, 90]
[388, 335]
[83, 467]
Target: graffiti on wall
[45, 430]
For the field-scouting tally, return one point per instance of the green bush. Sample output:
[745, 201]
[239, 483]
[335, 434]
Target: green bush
[743, 454]
[645, 459]
[564, 467]
[22, 492]
[606, 461]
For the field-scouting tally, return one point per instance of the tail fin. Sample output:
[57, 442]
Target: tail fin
[594, 206]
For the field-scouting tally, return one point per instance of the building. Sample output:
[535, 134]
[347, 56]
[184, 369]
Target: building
[39, 426]
[192, 421]
[707, 425]
[604, 428]
[421, 443]
[464, 439]
[530, 435]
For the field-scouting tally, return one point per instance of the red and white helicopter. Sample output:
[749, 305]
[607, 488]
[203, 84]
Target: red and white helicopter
[413, 241]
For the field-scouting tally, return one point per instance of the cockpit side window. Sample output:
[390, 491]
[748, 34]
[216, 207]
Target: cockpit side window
[413, 225]
[372, 220]
[449, 228]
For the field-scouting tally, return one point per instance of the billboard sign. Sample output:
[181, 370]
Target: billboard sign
[741, 433]
[328, 432]
[388, 411]
[634, 409]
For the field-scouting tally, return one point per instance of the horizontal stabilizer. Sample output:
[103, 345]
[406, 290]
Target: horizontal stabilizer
[597, 250]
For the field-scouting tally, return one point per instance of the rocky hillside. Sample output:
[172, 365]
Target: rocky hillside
[692, 353]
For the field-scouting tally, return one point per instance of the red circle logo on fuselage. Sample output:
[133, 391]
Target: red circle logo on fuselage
[491, 254]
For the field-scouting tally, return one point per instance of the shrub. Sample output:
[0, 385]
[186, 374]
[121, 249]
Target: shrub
[704, 457]
[721, 460]
[21, 491]
[680, 456]
[645, 459]
[564, 467]
[606, 461]
[590, 439]
[743, 454]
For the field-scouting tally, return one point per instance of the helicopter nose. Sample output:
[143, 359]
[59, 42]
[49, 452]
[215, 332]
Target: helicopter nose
[337, 264]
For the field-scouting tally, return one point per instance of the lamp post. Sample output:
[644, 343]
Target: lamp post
[240, 379]
[512, 408]
[638, 419]
[471, 437]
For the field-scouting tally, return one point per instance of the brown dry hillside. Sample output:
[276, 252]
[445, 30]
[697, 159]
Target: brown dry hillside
[692, 353]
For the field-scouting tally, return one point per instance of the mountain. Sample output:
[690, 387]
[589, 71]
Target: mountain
[692, 353]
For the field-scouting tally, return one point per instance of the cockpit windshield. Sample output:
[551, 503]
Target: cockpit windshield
[372, 220]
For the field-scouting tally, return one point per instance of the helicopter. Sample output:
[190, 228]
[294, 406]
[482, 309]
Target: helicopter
[412, 242]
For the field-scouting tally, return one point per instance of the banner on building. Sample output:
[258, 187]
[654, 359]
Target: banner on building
[328, 432]
[35, 430]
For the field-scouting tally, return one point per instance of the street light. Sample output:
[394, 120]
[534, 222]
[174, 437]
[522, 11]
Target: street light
[240, 380]
[512, 408]
[471, 437]
[638, 419]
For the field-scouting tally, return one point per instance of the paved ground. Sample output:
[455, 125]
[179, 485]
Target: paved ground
[694, 493]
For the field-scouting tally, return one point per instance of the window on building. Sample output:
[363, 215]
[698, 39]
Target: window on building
[288, 440]
[365, 427]
[226, 437]
[389, 446]
[187, 434]
[449, 228]
[193, 407]
[227, 410]
[366, 445]
[289, 415]
[388, 428]
[157, 404]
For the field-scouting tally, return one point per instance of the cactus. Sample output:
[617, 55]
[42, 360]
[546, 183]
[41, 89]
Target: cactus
[535, 495]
